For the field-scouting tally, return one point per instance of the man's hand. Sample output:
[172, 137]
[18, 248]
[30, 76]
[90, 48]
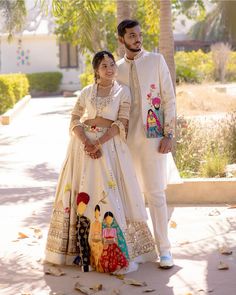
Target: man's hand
[165, 145]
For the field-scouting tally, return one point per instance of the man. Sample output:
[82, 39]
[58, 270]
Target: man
[151, 126]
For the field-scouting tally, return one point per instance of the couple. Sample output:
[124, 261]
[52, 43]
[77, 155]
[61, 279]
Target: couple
[121, 138]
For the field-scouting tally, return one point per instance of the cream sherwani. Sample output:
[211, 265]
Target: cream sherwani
[152, 116]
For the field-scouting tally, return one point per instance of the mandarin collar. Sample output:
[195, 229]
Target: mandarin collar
[136, 56]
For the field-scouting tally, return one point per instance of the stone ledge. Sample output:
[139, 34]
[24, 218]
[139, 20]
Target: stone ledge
[203, 191]
[6, 118]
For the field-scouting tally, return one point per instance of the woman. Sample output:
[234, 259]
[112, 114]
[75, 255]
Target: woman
[98, 163]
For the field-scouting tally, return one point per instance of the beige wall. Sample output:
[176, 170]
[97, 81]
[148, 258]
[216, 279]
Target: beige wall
[43, 57]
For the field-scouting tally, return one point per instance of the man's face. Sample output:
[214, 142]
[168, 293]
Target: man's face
[133, 39]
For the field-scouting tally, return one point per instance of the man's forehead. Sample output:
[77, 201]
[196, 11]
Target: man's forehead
[135, 29]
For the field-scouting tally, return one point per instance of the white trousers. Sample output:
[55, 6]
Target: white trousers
[154, 171]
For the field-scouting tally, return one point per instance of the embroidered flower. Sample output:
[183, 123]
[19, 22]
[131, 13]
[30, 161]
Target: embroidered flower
[153, 86]
[67, 187]
[67, 210]
[149, 95]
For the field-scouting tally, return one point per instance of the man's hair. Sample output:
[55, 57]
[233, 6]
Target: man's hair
[127, 23]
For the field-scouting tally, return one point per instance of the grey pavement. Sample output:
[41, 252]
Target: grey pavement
[32, 149]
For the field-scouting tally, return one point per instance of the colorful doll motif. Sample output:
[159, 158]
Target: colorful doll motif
[153, 124]
[95, 240]
[154, 115]
[83, 226]
[113, 258]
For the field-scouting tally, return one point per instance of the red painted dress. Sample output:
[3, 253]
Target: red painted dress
[112, 257]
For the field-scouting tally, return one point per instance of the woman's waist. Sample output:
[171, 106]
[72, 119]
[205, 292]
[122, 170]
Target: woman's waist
[98, 122]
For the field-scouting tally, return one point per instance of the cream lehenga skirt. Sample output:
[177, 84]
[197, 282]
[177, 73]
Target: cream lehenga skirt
[110, 183]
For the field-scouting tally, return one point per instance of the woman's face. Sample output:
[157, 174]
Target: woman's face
[107, 69]
[97, 214]
[109, 220]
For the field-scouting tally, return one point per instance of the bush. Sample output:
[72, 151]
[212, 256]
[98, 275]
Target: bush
[13, 87]
[205, 147]
[231, 67]
[47, 82]
[193, 67]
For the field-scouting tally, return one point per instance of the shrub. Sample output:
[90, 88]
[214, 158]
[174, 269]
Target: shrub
[193, 67]
[231, 67]
[47, 82]
[13, 87]
[205, 146]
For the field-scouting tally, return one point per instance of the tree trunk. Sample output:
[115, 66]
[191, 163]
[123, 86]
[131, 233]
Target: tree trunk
[166, 41]
[166, 45]
[123, 12]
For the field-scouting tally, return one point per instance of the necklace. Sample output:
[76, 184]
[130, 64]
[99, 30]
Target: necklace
[105, 87]
[99, 103]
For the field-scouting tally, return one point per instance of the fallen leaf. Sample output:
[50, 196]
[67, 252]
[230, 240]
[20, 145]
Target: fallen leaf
[214, 212]
[119, 276]
[97, 287]
[225, 250]
[206, 291]
[149, 290]
[82, 289]
[55, 271]
[222, 266]
[134, 282]
[115, 292]
[22, 235]
[231, 206]
[173, 224]
[25, 293]
[183, 243]
[38, 233]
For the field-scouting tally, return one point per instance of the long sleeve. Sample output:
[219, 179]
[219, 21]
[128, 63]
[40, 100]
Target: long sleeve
[168, 97]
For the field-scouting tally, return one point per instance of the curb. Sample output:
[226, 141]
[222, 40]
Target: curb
[203, 190]
[6, 118]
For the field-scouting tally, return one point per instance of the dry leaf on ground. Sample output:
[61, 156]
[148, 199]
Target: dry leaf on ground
[115, 292]
[119, 276]
[134, 283]
[225, 250]
[97, 287]
[38, 233]
[214, 212]
[232, 206]
[22, 235]
[149, 290]
[55, 271]
[222, 266]
[83, 289]
[173, 224]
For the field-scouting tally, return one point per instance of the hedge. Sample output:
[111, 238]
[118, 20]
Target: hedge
[47, 82]
[12, 88]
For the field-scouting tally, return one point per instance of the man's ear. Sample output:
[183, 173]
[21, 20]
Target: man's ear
[121, 39]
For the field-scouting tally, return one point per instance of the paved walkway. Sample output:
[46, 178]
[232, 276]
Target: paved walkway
[32, 149]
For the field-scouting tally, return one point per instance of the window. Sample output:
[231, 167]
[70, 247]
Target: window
[68, 55]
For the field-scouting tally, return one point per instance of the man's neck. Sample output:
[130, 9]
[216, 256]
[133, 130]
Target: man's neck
[131, 55]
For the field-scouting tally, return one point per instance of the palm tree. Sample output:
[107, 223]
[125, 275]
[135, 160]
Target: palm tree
[166, 41]
[219, 25]
[123, 12]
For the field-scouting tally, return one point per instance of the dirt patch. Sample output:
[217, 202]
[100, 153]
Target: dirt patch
[203, 99]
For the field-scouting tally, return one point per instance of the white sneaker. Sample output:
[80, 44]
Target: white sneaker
[166, 261]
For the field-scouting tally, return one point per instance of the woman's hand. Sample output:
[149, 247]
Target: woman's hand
[89, 147]
[96, 155]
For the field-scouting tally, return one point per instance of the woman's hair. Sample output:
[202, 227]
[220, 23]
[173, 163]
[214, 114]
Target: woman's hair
[97, 59]
[97, 207]
[126, 24]
[108, 213]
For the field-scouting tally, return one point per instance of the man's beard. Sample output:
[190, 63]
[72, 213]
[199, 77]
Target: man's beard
[131, 49]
